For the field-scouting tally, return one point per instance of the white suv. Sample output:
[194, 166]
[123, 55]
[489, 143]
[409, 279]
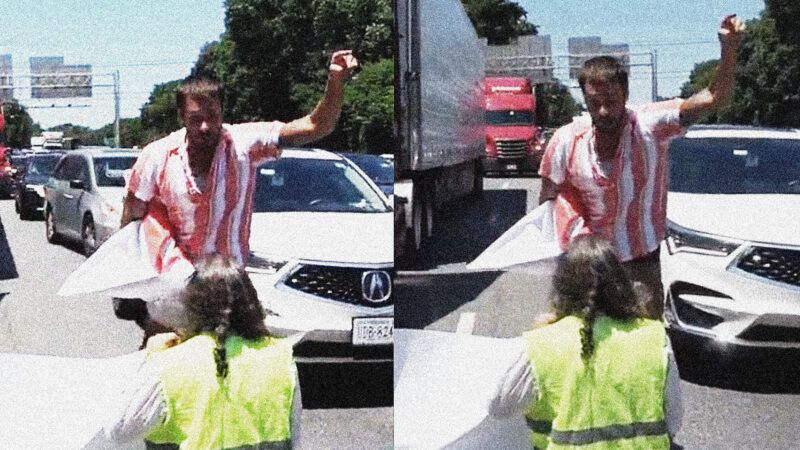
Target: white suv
[731, 260]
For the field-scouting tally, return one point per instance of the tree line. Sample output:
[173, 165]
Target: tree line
[272, 61]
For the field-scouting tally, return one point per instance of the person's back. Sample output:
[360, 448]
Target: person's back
[250, 406]
[613, 399]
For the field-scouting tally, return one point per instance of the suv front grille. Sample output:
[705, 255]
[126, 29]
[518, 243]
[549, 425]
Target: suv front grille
[776, 264]
[342, 284]
[510, 149]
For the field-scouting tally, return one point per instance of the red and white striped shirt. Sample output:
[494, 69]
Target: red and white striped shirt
[628, 205]
[214, 219]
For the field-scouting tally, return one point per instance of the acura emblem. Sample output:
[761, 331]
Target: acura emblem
[376, 285]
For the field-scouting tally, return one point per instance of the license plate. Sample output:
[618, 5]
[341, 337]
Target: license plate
[372, 331]
[511, 167]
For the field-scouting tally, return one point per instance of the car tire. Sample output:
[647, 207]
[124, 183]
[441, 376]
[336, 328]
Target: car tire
[25, 214]
[50, 228]
[88, 236]
[16, 206]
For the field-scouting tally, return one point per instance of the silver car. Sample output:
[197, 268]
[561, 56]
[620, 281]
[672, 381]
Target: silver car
[83, 198]
[731, 260]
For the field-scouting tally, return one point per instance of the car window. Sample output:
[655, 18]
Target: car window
[110, 171]
[381, 170]
[297, 184]
[42, 165]
[735, 166]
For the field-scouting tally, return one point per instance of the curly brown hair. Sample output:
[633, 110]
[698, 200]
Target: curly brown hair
[220, 299]
[589, 280]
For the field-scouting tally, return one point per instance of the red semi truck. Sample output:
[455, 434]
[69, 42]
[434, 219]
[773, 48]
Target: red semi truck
[512, 137]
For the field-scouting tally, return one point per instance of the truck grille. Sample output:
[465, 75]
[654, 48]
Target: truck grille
[342, 284]
[776, 264]
[511, 149]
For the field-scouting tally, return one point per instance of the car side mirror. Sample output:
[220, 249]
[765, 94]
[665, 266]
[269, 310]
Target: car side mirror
[77, 184]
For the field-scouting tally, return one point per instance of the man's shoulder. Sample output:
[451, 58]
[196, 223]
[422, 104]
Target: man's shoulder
[166, 143]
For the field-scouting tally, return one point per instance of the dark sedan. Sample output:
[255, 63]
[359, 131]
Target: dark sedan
[30, 184]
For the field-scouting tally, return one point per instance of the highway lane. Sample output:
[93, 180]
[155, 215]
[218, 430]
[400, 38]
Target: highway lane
[730, 402]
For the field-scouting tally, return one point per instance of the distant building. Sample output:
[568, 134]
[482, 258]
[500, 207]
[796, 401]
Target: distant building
[50, 78]
[6, 78]
[591, 46]
[527, 56]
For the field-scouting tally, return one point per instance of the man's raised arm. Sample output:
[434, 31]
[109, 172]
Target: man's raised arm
[718, 94]
[323, 118]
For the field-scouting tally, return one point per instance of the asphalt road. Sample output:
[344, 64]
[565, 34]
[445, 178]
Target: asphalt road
[730, 400]
[34, 320]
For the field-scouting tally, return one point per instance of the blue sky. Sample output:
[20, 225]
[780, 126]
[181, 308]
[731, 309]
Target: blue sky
[148, 41]
[683, 33]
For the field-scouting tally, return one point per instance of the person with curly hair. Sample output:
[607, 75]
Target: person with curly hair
[222, 381]
[596, 370]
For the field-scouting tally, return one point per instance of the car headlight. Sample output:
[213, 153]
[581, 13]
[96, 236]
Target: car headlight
[680, 239]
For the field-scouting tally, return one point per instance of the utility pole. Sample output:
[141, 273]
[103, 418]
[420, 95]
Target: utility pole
[654, 73]
[116, 109]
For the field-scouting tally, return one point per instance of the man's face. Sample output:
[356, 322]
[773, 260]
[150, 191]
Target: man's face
[203, 120]
[606, 104]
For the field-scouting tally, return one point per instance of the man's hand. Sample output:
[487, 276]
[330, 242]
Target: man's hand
[342, 65]
[718, 94]
[322, 120]
[731, 33]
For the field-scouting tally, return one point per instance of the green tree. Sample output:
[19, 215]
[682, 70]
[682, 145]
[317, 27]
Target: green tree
[555, 106]
[699, 79]
[498, 21]
[19, 125]
[159, 115]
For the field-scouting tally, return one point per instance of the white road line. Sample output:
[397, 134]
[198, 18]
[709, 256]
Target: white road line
[466, 322]
[506, 184]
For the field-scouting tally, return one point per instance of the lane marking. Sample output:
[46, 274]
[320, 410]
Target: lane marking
[506, 184]
[466, 323]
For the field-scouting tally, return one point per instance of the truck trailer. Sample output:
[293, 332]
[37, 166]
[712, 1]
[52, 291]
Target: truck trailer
[439, 118]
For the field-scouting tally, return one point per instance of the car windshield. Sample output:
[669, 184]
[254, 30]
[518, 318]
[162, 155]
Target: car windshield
[43, 165]
[109, 171]
[381, 170]
[509, 118]
[735, 166]
[319, 185]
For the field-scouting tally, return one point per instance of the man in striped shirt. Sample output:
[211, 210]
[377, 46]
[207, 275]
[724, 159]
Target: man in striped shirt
[201, 177]
[611, 167]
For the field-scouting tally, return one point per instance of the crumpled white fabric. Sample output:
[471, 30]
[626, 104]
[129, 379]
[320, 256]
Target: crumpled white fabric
[531, 239]
[124, 267]
[445, 386]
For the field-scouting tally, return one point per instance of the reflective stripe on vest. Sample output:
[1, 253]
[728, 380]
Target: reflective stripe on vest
[282, 445]
[593, 435]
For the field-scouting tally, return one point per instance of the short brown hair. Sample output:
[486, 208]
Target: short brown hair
[604, 69]
[199, 87]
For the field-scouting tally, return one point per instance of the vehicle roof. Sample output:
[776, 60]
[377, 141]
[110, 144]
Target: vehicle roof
[740, 132]
[104, 151]
[309, 153]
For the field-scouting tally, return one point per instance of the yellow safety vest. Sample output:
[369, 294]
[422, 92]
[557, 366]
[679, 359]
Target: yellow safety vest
[250, 408]
[615, 400]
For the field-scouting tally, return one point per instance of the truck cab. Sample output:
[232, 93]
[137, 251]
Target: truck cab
[511, 131]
